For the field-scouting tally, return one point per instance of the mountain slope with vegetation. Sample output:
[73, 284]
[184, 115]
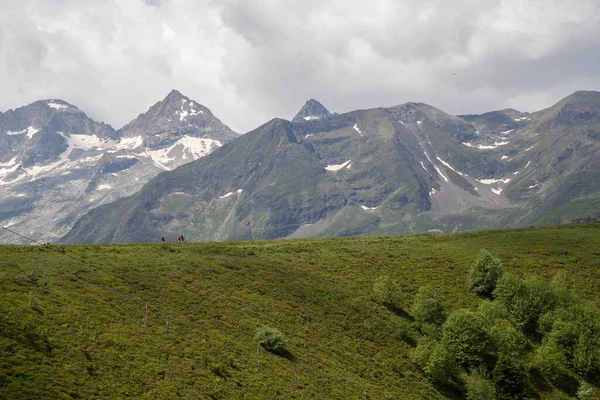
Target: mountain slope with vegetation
[185, 320]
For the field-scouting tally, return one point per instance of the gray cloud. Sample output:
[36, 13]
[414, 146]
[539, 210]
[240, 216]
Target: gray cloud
[251, 60]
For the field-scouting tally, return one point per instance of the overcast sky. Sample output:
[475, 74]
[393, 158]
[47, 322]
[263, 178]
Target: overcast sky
[252, 60]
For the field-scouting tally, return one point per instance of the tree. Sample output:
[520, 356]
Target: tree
[510, 379]
[270, 339]
[387, 292]
[526, 299]
[484, 273]
[479, 387]
[464, 335]
[435, 361]
[507, 339]
[427, 307]
[549, 360]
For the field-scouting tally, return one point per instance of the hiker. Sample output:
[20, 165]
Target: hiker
[182, 239]
[179, 238]
[162, 239]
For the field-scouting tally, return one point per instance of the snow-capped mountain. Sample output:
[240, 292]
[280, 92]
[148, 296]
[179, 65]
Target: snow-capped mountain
[57, 164]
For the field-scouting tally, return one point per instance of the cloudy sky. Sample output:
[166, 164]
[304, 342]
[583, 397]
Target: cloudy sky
[252, 60]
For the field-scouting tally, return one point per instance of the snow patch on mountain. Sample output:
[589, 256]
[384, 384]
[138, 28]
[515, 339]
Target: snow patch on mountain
[440, 172]
[183, 113]
[337, 167]
[10, 163]
[492, 181]
[357, 129]
[187, 145]
[450, 166]
[310, 118]
[104, 187]
[57, 106]
[230, 194]
[30, 131]
[88, 142]
[497, 191]
[485, 146]
[371, 209]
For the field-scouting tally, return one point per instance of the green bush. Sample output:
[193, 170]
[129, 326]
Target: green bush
[386, 291]
[427, 307]
[510, 379]
[484, 273]
[586, 392]
[507, 339]
[464, 335]
[435, 361]
[479, 387]
[549, 360]
[492, 311]
[576, 333]
[526, 300]
[270, 339]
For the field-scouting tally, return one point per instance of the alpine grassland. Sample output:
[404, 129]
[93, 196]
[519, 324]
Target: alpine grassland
[425, 316]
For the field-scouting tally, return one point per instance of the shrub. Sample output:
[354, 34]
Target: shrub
[549, 360]
[526, 299]
[484, 273]
[492, 311]
[478, 386]
[387, 292]
[435, 361]
[576, 333]
[270, 339]
[509, 379]
[464, 335]
[507, 339]
[428, 308]
[586, 392]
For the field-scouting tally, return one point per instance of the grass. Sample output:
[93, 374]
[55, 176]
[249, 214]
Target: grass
[83, 335]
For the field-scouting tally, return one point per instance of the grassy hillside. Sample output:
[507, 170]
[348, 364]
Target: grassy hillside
[83, 335]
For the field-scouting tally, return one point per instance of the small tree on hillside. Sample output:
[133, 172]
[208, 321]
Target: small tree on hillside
[510, 379]
[526, 300]
[464, 335]
[484, 273]
[270, 339]
[428, 307]
[386, 291]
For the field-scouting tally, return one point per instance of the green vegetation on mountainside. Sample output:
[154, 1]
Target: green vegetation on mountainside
[88, 333]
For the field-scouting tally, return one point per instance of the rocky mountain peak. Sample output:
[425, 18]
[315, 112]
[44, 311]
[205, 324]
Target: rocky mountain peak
[175, 117]
[312, 109]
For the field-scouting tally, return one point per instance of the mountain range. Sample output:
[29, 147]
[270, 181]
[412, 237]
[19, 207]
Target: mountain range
[57, 164]
[383, 171]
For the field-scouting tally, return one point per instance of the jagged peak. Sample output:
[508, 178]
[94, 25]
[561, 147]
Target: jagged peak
[312, 109]
[175, 95]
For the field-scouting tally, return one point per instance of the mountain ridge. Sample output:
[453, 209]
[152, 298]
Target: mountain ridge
[400, 169]
[56, 163]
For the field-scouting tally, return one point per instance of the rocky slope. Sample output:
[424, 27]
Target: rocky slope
[56, 164]
[409, 168]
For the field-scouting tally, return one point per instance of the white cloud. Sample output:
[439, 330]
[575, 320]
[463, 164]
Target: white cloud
[252, 60]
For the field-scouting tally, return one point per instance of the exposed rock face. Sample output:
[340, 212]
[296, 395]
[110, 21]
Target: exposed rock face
[57, 164]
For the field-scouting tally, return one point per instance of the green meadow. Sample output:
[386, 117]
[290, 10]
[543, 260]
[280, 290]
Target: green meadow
[178, 320]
